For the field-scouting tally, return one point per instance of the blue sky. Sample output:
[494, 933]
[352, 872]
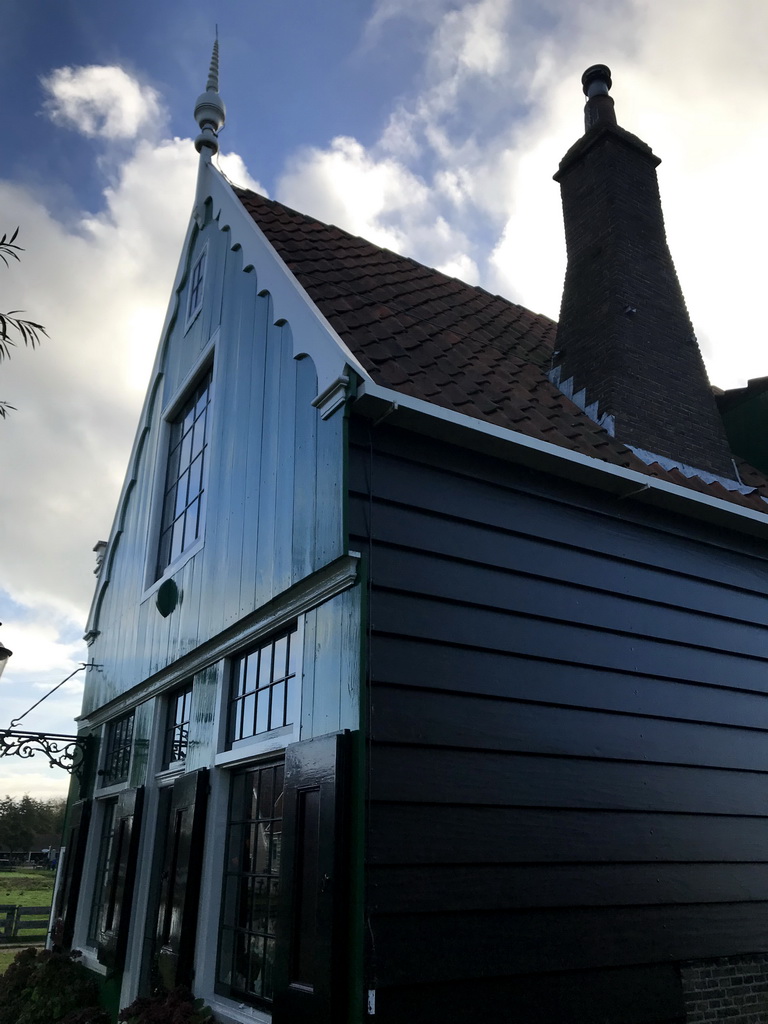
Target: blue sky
[432, 127]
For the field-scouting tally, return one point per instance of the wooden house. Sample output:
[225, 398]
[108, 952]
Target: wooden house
[430, 638]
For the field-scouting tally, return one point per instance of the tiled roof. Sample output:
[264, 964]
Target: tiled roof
[433, 337]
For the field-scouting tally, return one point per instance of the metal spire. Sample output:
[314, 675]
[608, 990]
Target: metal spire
[210, 112]
[213, 71]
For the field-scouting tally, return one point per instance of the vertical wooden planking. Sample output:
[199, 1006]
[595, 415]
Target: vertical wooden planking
[252, 433]
[336, 667]
[286, 445]
[350, 626]
[305, 471]
[265, 569]
[330, 456]
[234, 365]
[309, 666]
[274, 483]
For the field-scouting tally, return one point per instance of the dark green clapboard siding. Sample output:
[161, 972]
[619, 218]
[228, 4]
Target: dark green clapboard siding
[424, 835]
[623, 995]
[423, 718]
[453, 776]
[471, 489]
[399, 662]
[447, 889]
[472, 626]
[490, 943]
[568, 729]
[510, 548]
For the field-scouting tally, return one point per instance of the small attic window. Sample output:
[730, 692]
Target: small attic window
[196, 280]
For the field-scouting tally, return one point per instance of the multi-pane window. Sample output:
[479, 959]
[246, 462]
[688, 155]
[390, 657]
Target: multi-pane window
[196, 287]
[177, 726]
[184, 494]
[263, 688]
[103, 864]
[117, 750]
[247, 931]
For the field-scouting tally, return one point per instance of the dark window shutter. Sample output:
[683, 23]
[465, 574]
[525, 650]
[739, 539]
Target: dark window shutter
[310, 951]
[180, 888]
[118, 880]
[75, 838]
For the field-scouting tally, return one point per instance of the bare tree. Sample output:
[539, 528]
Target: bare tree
[12, 326]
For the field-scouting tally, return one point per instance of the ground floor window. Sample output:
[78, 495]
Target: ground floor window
[249, 906]
[101, 891]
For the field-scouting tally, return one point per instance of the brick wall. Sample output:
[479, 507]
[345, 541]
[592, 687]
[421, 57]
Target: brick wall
[733, 989]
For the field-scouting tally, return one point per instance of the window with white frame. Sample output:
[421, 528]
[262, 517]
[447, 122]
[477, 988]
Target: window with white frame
[183, 513]
[263, 687]
[246, 953]
[105, 856]
[195, 294]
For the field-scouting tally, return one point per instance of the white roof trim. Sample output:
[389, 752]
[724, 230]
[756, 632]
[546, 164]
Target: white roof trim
[312, 333]
[435, 421]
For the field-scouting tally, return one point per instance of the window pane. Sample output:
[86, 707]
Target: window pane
[271, 671]
[190, 524]
[281, 650]
[249, 905]
[106, 843]
[181, 494]
[184, 477]
[277, 711]
[177, 721]
[177, 536]
[262, 713]
[249, 707]
[117, 750]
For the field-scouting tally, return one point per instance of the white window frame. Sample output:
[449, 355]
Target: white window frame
[249, 751]
[207, 361]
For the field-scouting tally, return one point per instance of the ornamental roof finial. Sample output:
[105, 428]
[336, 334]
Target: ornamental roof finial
[210, 112]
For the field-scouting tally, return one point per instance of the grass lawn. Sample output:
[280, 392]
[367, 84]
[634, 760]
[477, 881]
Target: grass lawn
[32, 889]
[6, 955]
[28, 889]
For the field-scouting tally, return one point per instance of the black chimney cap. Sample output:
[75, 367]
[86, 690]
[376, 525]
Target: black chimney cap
[596, 73]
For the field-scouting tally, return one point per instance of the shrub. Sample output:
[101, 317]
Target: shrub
[177, 1007]
[90, 1015]
[43, 986]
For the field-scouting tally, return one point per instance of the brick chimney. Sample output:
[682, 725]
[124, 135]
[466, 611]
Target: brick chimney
[624, 335]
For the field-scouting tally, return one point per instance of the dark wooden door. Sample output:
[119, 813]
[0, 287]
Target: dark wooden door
[119, 876]
[180, 886]
[311, 944]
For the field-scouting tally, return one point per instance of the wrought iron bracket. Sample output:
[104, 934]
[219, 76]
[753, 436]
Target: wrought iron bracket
[67, 752]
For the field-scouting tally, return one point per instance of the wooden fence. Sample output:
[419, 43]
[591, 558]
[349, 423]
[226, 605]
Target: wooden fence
[23, 924]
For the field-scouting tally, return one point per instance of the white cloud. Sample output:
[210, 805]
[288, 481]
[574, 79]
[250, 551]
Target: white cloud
[375, 196]
[500, 103]
[100, 284]
[234, 170]
[34, 779]
[101, 101]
